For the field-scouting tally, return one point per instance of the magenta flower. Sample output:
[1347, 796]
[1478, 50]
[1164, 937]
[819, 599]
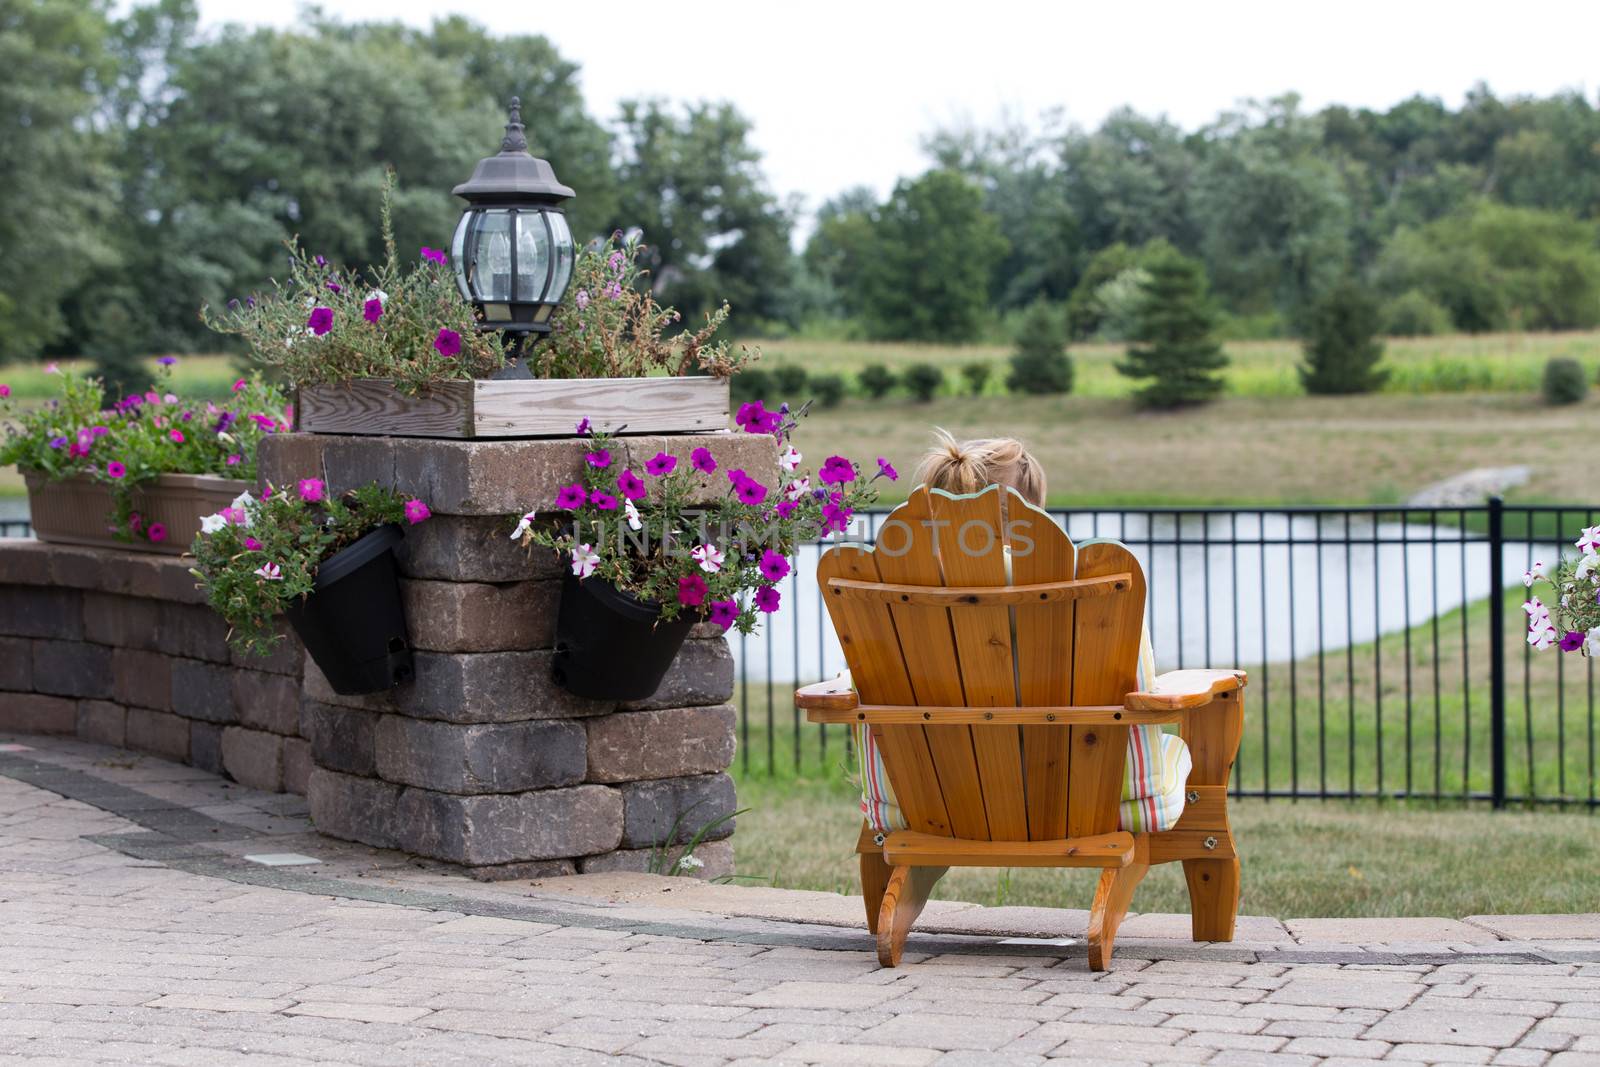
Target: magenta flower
[787, 508]
[603, 501]
[416, 511]
[774, 565]
[5, 391]
[836, 470]
[753, 417]
[571, 497]
[767, 599]
[447, 343]
[724, 612]
[238, 385]
[167, 361]
[335, 287]
[319, 261]
[58, 443]
[747, 489]
[582, 427]
[614, 261]
[886, 470]
[661, 464]
[135, 522]
[321, 320]
[599, 460]
[835, 518]
[115, 469]
[1572, 640]
[312, 490]
[435, 255]
[701, 460]
[99, 431]
[264, 422]
[372, 310]
[692, 590]
[631, 484]
[157, 532]
[252, 544]
[176, 435]
[235, 460]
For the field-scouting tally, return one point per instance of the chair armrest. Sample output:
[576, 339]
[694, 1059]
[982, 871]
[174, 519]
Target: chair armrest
[835, 694]
[1185, 689]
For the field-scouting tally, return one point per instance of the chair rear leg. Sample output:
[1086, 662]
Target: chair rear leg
[1111, 899]
[1213, 897]
[903, 899]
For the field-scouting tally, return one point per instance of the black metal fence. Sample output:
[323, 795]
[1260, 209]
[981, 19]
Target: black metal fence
[1385, 648]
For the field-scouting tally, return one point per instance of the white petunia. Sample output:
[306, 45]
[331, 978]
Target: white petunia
[523, 526]
[1592, 644]
[709, 557]
[632, 515]
[584, 560]
[210, 524]
[1588, 542]
[1586, 568]
[1534, 607]
[380, 296]
[797, 489]
[1542, 639]
[1534, 573]
[270, 572]
[790, 459]
[690, 863]
[241, 504]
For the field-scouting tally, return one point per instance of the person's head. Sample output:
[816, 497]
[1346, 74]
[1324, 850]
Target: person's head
[968, 466]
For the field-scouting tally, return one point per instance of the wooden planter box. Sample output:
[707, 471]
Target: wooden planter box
[77, 510]
[516, 408]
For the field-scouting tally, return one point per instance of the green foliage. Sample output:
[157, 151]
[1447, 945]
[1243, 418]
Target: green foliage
[790, 378]
[1177, 356]
[1564, 382]
[1415, 314]
[923, 381]
[752, 383]
[876, 380]
[1342, 346]
[294, 530]
[976, 374]
[1040, 364]
[828, 389]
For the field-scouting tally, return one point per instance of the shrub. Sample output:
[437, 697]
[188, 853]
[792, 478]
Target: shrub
[1565, 381]
[1040, 364]
[1415, 314]
[1177, 351]
[876, 380]
[976, 374]
[752, 383]
[828, 390]
[790, 379]
[1342, 349]
[923, 381]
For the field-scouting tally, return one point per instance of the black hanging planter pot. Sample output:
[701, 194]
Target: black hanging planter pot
[611, 645]
[353, 623]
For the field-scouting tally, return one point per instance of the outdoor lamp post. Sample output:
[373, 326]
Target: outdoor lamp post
[512, 249]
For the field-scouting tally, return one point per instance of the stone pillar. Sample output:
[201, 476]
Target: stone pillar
[482, 760]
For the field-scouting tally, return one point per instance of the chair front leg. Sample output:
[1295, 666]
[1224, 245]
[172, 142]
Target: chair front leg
[1213, 734]
[874, 873]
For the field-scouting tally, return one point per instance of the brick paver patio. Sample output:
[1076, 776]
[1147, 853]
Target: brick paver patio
[134, 929]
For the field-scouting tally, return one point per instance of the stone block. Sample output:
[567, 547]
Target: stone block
[81, 567]
[296, 765]
[205, 746]
[24, 561]
[253, 758]
[665, 743]
[353, 808]
[485, 758]
[35, 713]
[16, 663]
[193, 631]
[518, 872]
[122, 621]
[471, 548]
[716, 861]
[72, 669]
[285, 458]
[341, 739]
[508, 828]
[266, 701]
[102, 722]
[141, 679]
[467, 687]
[203, 691]
[480, 617]
[159, 732]
[675, 809]
[177, 583]
[701, 675]
[38, 611]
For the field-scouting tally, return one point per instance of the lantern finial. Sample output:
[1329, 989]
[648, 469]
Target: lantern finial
[516, 138]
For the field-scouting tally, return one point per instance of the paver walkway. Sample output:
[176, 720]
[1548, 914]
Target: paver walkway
[134, 929]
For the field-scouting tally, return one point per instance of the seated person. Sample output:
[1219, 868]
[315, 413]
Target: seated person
[1158, 763]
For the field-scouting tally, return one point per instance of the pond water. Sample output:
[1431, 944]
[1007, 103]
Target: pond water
[1225, 589]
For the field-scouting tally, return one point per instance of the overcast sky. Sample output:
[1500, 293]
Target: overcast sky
[840, 93]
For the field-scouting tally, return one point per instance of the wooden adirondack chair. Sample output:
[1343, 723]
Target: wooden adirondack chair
[1001, 705]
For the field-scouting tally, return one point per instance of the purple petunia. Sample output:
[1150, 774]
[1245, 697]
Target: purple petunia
[753, 417]
[724, 612]
[886, 470]
[603, 501]
[372, 310]
[58, 442]
[571, 497]
[600, 459]
[447, 343]
[774, 565]
[767, 599]
[661, 464]
[836, 470]
[334, 287]
[787, 508]
[835, 518]
[1572, 640]
[167, 361]
[701, 460]
[583, 427]
[747, 489]
[435, 255]
[321, 320]
[631, 484]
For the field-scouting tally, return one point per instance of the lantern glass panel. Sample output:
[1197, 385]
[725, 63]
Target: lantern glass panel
[458, 253]
[533, 255]
[489, 255]
[562, 240]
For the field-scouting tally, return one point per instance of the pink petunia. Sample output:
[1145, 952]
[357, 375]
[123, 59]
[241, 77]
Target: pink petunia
[372, 310]
[235, 460]
[603, 501]
[312, 490]
[416, 511]
[692, 590]
[5, 391]
[702, 460]
[631, 485]
[571, 497]
[599, 459]
[774, 565]
[768, 599]
[115, 469]
[252, 544]
[661, 464]
[157, 532]
[176, 435]
[238, 386]
[447, 343]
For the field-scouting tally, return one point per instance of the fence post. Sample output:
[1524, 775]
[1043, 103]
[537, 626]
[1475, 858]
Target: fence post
[1497, 654]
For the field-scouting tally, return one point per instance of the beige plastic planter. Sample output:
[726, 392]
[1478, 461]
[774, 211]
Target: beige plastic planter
[77, 510]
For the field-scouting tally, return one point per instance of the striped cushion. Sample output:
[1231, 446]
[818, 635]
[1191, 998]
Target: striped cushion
[1158, 767]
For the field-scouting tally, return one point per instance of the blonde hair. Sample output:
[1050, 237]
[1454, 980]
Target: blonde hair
[968, 466]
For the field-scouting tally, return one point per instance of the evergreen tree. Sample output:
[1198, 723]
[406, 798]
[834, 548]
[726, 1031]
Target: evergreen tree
[1342, 344]
[1176, 351]
[1041, 364]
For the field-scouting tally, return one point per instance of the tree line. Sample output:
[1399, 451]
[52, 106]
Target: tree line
[151, 168]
